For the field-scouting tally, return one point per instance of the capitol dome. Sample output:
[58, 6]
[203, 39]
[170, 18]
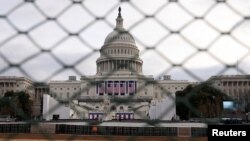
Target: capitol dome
[119, 53]
[119, 36]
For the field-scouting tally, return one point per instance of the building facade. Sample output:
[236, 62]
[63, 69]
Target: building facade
[15, 84]
[18, 84]
[235, 86]
[40, 90]
[119, 90]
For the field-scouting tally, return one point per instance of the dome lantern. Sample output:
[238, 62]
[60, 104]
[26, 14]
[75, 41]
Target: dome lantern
[119, 34]
[119, 21]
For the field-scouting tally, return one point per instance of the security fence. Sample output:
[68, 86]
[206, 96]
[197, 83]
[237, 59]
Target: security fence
[15, 128]
[190, 39]
[76, 129]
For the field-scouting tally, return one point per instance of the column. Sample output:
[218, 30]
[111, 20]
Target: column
[136, 64]
[112, 65]
[115, 65]
[109, 65]
[105, 65]
[98, 67]
[122, 64]
[125, 64]
[102, 66]
[129, 65]
[134, 68]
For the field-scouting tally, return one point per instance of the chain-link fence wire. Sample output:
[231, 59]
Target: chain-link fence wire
[41, 39]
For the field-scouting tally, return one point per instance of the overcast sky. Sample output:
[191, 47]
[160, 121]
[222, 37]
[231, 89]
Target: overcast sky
[190, 40]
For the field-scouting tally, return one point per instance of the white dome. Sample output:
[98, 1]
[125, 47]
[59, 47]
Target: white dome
[119, 36]
[119, 54]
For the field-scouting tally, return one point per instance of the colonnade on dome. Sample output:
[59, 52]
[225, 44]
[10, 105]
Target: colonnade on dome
[112, 66]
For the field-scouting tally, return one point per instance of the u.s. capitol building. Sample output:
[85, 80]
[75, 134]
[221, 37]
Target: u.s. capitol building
[119, 90]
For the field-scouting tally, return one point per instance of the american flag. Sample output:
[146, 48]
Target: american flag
[122, 87]
[116, 87]
[101, 87]
[131, 87]
[110, 87]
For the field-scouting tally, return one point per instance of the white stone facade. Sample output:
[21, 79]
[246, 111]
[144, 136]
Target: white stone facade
[119, 90]
[15, 84]
[235, 86]
[54, 109]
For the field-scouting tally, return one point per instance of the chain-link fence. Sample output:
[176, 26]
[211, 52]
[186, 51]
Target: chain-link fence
[189, 39]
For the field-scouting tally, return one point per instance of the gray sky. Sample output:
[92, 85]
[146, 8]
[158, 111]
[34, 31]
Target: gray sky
[199, 47]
